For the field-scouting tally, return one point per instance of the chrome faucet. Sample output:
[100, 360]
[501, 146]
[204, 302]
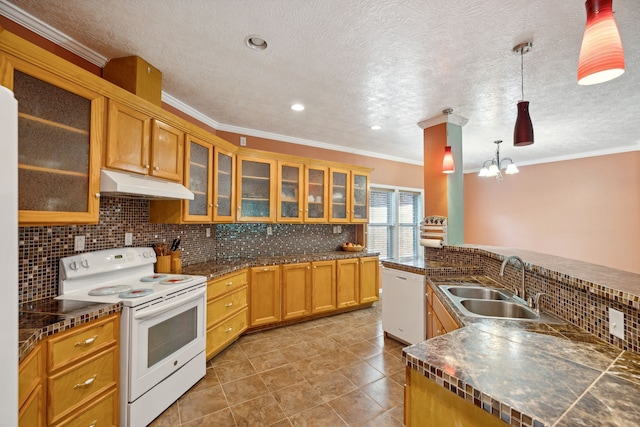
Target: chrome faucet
[521, 292]
[535, 302]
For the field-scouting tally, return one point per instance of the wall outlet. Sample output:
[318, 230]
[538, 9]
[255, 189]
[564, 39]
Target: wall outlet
[128, 239]
[79, 244]
[616, 323]
[269, 230]
[243, 141]
[207, 232]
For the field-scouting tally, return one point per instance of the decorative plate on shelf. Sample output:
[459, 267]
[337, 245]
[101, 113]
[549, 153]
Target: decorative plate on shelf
[357, 248]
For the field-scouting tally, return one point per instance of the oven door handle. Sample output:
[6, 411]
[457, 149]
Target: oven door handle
[159, 310]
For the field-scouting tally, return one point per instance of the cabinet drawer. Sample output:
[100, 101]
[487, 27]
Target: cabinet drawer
[30, 376]
[102, 411]
[71, 390]
[222, 307]
[225, 332]
[67, 347]
[225, 284]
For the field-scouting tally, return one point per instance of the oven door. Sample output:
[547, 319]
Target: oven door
[163, 338]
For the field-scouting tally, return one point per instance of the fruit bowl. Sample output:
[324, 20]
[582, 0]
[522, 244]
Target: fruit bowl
[352, 248]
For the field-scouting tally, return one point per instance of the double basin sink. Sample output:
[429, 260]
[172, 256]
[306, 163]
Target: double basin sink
[476, 301]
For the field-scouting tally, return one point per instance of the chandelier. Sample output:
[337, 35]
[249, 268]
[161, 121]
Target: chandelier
[495, 166]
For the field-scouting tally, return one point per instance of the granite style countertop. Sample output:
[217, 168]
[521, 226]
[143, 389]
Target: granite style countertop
[220, 267]
[530, 373]
[39, 319]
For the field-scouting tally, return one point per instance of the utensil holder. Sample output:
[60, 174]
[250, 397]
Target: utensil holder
[163, 264]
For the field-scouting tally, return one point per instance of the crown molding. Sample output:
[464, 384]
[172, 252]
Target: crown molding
[443, 118]
[48, 32]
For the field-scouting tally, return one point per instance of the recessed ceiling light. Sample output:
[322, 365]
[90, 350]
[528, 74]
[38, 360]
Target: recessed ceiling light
[376, 127]
[297, 107]
[256, 42]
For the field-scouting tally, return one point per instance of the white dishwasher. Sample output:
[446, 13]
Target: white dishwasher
[403, 305]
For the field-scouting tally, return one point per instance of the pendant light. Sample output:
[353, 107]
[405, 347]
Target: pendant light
[447, 161]
[523, 131]
[601, 54]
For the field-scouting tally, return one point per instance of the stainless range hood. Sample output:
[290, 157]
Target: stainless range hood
[122, 184]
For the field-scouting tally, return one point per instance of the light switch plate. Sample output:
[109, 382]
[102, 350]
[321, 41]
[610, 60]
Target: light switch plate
[207, 232]
[128, 239]
[616, 323]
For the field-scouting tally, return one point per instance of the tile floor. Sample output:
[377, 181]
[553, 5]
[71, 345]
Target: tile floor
[334, 371]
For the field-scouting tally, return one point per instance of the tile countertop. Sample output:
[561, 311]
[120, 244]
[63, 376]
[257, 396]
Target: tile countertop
[45, 317]
[530, 373]
[39, 319]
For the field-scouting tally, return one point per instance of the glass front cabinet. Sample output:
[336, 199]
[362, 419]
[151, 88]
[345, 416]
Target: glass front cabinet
[224, 186]
[316, 194]
[256, 189]
[349, 196]
[290, 192]
[198, 176]
[59, 144]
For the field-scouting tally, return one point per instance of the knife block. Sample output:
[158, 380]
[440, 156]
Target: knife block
[176, 262]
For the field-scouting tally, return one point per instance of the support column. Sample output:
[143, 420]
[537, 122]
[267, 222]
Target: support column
[444, 193]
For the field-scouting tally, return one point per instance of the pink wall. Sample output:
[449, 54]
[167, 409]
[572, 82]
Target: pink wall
[585, 209]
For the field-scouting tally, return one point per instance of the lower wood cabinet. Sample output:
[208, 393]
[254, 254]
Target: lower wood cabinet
[323, 286]
[71, 378]
[226, 311]
[439, 321]
[348, 282]
[31, 374]
[429, 404]
[369, 279]
[296, 290]
[264, 295]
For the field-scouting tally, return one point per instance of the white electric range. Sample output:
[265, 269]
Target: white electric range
[162, 327]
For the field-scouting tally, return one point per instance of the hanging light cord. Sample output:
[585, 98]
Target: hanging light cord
[522, 72]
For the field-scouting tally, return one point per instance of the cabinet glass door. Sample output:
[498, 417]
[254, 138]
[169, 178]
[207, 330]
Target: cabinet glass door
[223, 186]
[360, 209]
[290, 193]
[57, 164]
[256, 194]
[316, 193]
[338, 211]
[198, 177]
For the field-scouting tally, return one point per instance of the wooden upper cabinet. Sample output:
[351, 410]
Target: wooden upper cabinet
[139, 144]
[60, 132]
[256, 189]
[349, 192]
[198, 177]
[290, 192]
[316, 192]
[224, 186]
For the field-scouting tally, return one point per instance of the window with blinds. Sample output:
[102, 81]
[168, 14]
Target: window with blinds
[394, 220]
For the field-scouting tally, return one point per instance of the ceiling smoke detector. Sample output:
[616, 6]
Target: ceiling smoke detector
[256, 42]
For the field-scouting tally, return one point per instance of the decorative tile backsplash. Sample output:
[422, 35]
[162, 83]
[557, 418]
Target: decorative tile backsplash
[569, 298]
[40, 248]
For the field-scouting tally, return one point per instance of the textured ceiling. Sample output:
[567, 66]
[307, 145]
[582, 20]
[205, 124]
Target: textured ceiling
[356, 63]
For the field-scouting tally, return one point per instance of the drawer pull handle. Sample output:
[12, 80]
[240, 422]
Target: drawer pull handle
[86, 342]
[228, 330]
[228, 284]
[229, 304]
[94, 423]
[87, 383]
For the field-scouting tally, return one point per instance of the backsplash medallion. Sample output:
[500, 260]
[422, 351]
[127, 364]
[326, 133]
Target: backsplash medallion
[40, 248]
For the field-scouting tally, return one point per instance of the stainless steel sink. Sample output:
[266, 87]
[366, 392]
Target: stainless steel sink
[496, 303]
[476, 293]
[503, 309]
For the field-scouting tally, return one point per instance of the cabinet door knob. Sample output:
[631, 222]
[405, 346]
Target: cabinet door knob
[146, 166]
[157, 168]
[98, 195]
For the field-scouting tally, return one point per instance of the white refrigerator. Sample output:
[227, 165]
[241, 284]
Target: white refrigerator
[9, 258]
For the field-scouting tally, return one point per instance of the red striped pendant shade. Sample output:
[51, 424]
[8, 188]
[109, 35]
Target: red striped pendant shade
[601, 54]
